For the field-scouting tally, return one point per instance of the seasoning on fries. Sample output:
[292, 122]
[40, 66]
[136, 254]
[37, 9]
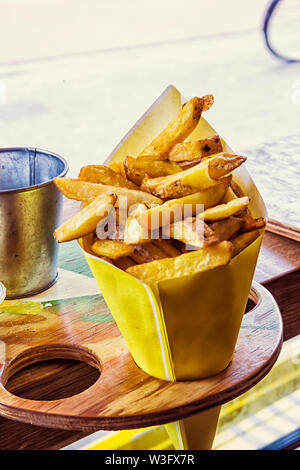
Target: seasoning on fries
[176, 208]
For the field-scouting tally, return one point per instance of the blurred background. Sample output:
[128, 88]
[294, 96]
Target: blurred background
[75, 76]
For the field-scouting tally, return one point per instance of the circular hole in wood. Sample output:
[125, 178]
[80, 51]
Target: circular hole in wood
[253, 301]
[51, 373]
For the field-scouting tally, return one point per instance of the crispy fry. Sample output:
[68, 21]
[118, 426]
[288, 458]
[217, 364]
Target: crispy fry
[167, 246]
[191, 232]
[193, 150]
[124, 262]
[225, 229]
[137, 169]
[229, 195]
[85, 221]
[249, 223]
[111, 249]
[135, 233]
[208, 102]
[225, 210]
[118, 168]
[207, 258]
[240, 242]
[197, 178]
[185, 165]
[177, 130]
[146, 253]
[237, 189]
[173, 210]
[104, 175]
[86, 192]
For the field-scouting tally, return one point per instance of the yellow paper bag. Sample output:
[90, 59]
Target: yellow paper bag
[184, 328]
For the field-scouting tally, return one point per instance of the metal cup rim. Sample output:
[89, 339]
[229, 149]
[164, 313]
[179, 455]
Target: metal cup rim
[35, 186]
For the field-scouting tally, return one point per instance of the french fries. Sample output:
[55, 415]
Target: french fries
[87, 192]
[111, 249]
[137, 169]
[193, 231]
[225, 210]
[171, 212]
[196, 149]
[167, 246]
[194, 262]
[147, 253]
[104, 175]
[124, 263]
[177, 130]
[85, 221]
[226, 228]
[249, 223]
[197, 178]
[240, 242]
[118, 168]
[135, 233]
[138, 228]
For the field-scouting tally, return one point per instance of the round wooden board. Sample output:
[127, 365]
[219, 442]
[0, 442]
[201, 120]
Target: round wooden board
[125, 397]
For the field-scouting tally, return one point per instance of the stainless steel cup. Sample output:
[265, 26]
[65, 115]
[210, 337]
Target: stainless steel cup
[30, 210]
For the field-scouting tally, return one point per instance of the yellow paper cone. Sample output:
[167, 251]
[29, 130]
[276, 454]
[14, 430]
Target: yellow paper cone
[192, 323]
[196, 432]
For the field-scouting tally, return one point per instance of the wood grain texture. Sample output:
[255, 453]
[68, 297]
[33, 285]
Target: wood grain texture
[125, 397]
[286, 292]
[283, 229]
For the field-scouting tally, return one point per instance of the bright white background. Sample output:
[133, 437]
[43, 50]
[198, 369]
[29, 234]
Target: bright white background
[75, 75]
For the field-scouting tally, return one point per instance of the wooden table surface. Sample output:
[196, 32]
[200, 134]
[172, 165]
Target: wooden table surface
[278, 270]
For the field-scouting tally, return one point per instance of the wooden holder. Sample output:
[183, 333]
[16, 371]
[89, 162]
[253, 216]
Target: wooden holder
[125, 397]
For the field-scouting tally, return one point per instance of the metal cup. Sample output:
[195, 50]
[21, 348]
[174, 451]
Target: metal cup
[30, 210]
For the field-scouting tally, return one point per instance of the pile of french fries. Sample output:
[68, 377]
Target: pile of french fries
[134, 212]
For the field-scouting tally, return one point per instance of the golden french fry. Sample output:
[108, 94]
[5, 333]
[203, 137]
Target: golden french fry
[191, 232]
[85, 221]
[177, 130]
[86, 192]
[118, 168]
[137, 209]
[208, 102]
[137, 169]
[197, 178]
[138, 228]
[134, 232]
[249, 223]
[225, 229]
[193, 150]
[185, 165]
[240, 242]
[104, 175]
[207, 258]
[225, 210]
[147, 253]
[229, 195]
[124, 262]
[167, 246]
[237, 189]
[111, 249]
